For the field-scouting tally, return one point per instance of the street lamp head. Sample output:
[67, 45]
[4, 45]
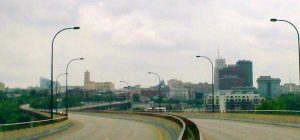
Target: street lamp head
[81, 58]
[149, 72]
[76, 28]
[198, 56]
[273, 20]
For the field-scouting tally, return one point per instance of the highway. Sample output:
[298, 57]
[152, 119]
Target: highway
[234, 130]
[92, 126]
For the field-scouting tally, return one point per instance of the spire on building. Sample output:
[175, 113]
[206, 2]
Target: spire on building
[218, 50]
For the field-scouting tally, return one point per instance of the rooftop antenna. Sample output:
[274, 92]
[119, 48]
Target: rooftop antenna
[218, 50]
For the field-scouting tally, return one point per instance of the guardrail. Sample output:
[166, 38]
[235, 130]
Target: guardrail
[34, 129]
[283, 112]
[22, 125]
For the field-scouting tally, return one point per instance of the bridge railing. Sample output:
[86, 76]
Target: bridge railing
[277, 112]
[22, 125]
[34, 129]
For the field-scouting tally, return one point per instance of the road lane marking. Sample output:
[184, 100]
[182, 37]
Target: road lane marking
[159, 133]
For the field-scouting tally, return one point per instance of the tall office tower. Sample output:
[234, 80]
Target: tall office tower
[219, 64]
[246, 72]
[238, 75]
[86, 78]
[268, 87]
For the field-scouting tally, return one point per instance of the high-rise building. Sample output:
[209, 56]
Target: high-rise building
[45, 83]
[245, 72]
[268, 87]
[238, 75]
[98, 86]
[219, 64]
[86, 76]
[2, 86]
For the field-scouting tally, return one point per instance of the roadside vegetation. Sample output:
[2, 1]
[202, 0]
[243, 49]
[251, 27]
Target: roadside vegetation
[290, 101]
[10, 101]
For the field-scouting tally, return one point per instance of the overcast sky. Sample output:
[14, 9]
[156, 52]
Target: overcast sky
[123, 39]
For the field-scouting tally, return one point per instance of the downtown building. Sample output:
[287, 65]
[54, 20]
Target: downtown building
[268, 87]
[46, 83]
[227, 100]
[289, 88]
[233, 87]
[187, 90]
[237, 75]
[180, 94]
[220, 63]
[96, 86]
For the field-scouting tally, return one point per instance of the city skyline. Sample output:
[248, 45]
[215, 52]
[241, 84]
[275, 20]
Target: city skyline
[138, 37]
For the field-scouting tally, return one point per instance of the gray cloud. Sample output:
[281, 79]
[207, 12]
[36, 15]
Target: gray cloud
[123, 40]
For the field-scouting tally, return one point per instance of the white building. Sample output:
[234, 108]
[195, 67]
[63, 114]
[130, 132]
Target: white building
[179, 94]
[227, 100]
[289, 87]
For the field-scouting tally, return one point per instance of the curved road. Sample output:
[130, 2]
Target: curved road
[93, 127]
[234, 130]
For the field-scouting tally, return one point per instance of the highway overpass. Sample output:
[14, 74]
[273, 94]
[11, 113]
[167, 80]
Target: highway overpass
[110, 127]
[95, 126]
[212, 126]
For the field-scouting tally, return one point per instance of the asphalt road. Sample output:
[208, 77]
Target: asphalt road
[235, 130]
[91, 127]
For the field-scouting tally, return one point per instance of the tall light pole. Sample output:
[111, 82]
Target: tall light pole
[51, 104]
[56, 93]
[127, 92]
[212, 82]
[275, 20]
[67, 104]
[159, 92]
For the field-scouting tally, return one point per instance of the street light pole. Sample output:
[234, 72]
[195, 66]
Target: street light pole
[212, 82]
[127, 92]
[159, 92]
[67, 104]
[275, 20]
[51, 90]
[56, 93]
